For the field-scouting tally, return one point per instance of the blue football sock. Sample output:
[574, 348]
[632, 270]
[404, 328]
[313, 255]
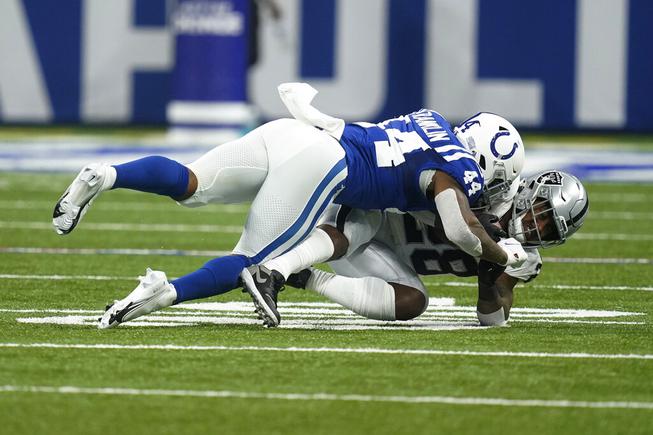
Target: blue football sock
[217, 276]
[154, 174]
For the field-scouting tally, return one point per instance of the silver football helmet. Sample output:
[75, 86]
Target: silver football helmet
[498, 150]
[557, 199]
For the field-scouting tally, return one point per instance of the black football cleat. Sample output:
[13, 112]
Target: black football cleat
[263, 285]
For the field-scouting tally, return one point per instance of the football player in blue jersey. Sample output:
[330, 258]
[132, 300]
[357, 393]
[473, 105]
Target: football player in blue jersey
[291, 170]
[378, 257]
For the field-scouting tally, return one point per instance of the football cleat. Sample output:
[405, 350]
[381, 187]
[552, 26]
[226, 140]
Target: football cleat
[299, 279]
[75, 201]
[153, 293]
[263, 285]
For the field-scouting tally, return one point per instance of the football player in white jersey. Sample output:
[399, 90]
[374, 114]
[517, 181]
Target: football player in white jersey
[384, 254]
[291, 170]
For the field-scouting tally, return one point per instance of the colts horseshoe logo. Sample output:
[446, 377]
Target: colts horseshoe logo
[493, 146]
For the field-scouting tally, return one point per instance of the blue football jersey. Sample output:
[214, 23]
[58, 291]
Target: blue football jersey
[384, 162]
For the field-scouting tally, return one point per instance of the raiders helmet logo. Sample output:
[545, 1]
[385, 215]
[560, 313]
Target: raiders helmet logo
[552, 178]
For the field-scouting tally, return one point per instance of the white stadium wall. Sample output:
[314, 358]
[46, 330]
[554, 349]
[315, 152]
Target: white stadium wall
[560, 64]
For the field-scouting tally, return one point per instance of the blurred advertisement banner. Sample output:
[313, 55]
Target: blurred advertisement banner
[561, 64]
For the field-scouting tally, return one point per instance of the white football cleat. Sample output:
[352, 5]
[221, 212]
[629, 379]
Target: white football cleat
[153, 293]
[92, 180]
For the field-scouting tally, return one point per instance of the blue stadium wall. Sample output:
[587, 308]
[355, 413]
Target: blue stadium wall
[559, 64]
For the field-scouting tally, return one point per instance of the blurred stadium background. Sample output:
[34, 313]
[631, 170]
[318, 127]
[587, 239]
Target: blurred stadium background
[113, 80]
[190, 74]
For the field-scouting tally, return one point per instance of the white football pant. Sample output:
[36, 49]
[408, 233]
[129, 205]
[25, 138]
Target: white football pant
[372, 249]
[289, 170]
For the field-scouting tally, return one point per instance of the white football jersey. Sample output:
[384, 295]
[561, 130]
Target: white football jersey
[411, 243]
[429, 255]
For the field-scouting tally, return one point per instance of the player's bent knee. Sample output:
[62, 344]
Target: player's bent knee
[340, 242]
[191, 188]
[409, 302]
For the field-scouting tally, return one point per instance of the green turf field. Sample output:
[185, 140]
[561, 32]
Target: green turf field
[577, 358]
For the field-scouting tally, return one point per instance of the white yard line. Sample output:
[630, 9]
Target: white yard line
[431, 283]
[234, 229]
[598, 260]
[226, 394]
[208, 253]
[67, 277]
[586, 322]
[113, 226]
[242, 209]
[620, 215]
[613, 236]
[126, 206]
[371, 350]
[112, 251]
[322, 323]
[46, 184]
[442, 314]
[542, 286]
[437, 306]
[619, 197]
[50, 310]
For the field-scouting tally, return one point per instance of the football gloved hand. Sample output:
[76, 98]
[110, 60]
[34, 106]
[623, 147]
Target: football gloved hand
[491, 225]
[516, 254]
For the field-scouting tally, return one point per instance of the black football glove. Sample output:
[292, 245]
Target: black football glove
[491, 225]
[489, 272]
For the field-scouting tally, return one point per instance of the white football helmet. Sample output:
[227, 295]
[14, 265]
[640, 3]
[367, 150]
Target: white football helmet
[498, 150]
[557, 194]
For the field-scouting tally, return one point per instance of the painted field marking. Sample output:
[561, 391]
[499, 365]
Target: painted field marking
[431, 283]
[613, 236]
[620, 215]
[368, 350]
[542, 286]
[113, 226]
[209, 253]
[234, 229]
[619, 197]
[109, 205]
[442, 314]
[67, 277]
[114, 251]
[308, 322]
[595, 260]
[436, 305]
[59, 183]
[128, 206]
[226, 394]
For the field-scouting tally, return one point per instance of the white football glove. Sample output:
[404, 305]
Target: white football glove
[516, 254]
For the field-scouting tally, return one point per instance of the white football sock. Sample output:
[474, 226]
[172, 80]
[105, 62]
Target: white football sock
[370, 297]
[109, 178]
[317, 248]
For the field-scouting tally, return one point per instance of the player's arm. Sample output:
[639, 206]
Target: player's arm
[463, 228]
[495, 294]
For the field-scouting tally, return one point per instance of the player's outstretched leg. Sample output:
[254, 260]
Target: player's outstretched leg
[263, 285]
[153, 174]
[153, 293]
[92, 180]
